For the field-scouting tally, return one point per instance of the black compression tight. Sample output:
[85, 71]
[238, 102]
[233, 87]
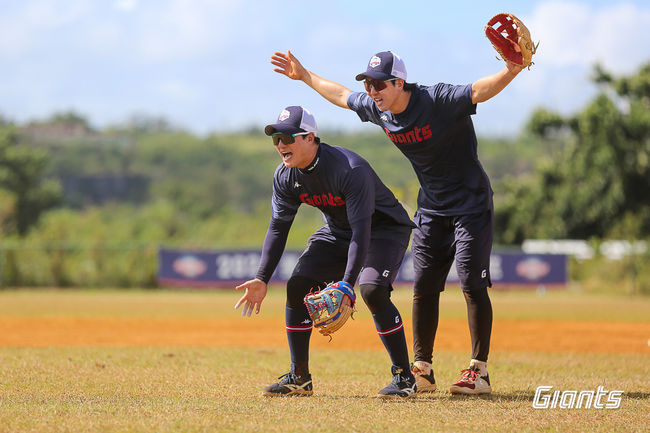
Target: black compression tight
[425, 323]
[479, 316]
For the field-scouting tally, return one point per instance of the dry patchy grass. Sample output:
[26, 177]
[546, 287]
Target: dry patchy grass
[218, 389]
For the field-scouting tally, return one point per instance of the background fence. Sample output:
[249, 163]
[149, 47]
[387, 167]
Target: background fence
[225, 268]
[148, 265]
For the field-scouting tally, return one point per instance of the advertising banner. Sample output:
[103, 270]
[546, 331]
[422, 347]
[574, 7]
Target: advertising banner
[186, 268]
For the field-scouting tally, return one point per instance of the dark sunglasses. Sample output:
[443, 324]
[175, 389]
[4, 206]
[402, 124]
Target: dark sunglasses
[376, 84]
[285, 138]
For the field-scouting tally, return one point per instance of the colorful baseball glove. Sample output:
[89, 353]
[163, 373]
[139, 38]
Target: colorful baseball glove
[331, 307]
[511, 38]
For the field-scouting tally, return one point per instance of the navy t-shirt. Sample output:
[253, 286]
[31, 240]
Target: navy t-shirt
[436, 134]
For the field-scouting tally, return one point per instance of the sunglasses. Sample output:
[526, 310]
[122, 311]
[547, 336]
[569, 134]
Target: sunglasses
[286, 138]
[376, 84]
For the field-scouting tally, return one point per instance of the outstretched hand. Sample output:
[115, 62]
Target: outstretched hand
[287, 64]
[252, 299]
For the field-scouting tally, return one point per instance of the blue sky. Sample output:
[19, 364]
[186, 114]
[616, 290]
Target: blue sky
[204, 65]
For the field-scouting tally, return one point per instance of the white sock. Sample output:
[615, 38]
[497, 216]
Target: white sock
[482, 366]
[423, 366]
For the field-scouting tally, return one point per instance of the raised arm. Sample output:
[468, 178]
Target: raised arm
[487, 87]
[287, 64]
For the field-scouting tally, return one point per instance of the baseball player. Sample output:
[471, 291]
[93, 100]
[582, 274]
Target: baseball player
[366, 235]
[432, 127]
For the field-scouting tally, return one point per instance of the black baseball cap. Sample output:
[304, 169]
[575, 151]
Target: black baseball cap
[292, 120]
[384, 66]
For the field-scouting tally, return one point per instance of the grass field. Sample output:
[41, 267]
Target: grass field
[82, 361]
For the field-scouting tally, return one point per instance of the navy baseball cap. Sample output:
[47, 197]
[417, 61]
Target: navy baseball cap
[384, 66]
[293, 120]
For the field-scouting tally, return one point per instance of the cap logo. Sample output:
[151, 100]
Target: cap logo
[284, 115]
[374, 62]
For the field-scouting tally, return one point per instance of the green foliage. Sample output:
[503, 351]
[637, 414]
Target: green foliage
[627, 276]
[21, 175]
[232, 173]
[544, 122]
[597, 186]
[117, 245]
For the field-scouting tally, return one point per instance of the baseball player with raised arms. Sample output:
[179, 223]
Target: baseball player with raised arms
[366, 235]
[432, 127]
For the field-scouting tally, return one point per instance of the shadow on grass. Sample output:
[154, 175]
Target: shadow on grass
[497, 397]
[514, 396]
[637, 395]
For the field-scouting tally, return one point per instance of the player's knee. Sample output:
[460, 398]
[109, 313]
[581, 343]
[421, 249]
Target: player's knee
[376, 297]
[297, 288]
[477, 296]
[427, 298]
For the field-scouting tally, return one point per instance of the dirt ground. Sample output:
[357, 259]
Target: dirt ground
[507, 336]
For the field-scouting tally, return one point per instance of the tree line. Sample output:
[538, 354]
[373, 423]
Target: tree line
[585, 176]
[564, 177]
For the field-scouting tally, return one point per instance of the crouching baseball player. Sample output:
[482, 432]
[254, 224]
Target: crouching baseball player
[366, 235]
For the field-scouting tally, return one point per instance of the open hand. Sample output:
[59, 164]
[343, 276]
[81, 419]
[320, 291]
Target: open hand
[252, 299]
[287, 64]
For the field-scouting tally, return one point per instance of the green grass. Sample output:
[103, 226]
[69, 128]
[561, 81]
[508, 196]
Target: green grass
[185, 389]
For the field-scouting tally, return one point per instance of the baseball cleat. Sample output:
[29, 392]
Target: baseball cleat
[425, 381]
[291, 384]
[471, 383]
[402, 386]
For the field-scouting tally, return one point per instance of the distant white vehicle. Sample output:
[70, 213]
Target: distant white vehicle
[614, 249]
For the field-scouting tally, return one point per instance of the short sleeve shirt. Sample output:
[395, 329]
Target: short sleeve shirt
[436, 134]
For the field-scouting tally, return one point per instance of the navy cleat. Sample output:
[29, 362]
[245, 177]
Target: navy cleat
[402, 386]
[291, 384]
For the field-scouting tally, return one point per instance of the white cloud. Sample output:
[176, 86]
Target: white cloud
[575, 34]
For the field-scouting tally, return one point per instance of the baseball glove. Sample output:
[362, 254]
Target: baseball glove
[511, 38]
[331, 307]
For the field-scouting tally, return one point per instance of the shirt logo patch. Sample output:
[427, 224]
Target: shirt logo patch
[415, 135]
[284, 115]
[296, 185]
[374, 62]
[322, 199]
